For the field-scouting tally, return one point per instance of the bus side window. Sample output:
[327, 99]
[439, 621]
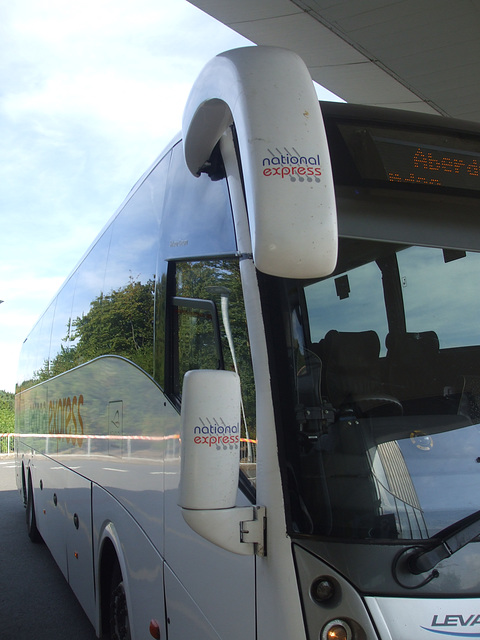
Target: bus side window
[208, 330]
[196, 337]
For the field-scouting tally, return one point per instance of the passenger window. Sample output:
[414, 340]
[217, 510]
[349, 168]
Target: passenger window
[34, 361]
[351, 302]
[209, 331]
[196, 330]
[62, 358]
[88, 295]
[107, 307]
[197, 212]
[440, 293]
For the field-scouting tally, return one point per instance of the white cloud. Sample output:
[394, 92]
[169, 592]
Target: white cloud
[103, 102]
[103, 59]
[90, 94]
[24, 300]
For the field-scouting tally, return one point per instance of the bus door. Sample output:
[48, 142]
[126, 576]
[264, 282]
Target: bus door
[210, 592]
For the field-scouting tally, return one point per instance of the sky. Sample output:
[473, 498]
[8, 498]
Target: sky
[90, 94]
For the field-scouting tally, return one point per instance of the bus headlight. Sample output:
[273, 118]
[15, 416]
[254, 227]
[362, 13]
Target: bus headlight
[336, 630]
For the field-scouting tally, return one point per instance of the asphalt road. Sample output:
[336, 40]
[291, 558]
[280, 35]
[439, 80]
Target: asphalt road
[35, 599]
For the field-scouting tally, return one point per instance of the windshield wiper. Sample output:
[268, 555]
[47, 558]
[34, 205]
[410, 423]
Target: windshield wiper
[448, 541]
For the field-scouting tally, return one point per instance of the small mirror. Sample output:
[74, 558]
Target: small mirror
[210, 439]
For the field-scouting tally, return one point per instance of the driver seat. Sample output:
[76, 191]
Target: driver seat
[351, 377]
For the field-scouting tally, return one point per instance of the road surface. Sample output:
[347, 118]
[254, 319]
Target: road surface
[35, 599]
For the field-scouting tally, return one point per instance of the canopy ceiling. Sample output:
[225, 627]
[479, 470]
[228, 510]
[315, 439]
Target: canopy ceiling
[422, 55]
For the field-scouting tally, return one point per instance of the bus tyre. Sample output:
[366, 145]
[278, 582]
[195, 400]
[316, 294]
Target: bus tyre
[119, 625]
[33, 532]
[24, 488]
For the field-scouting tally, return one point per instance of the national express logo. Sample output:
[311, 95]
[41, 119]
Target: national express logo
[216, 434]
[292, 165]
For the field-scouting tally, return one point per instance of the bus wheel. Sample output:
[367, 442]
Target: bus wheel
[24, 487]
[119, 625]
[33, 532]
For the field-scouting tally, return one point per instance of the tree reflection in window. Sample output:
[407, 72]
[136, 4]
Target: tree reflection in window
[118, 323]
[218, 281]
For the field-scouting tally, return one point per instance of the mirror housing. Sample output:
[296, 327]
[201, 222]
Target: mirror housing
[268, 94]
[210, 457]
[210, 435]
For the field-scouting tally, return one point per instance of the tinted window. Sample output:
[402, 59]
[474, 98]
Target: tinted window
[209, 331]
[34, 360]
[198, 214]
[107, 307]
[87, 302]
[352, 302]
[61, 357]
[430, 277]
[196, 331]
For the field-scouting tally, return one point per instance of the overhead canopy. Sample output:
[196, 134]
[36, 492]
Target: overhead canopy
[422, 55]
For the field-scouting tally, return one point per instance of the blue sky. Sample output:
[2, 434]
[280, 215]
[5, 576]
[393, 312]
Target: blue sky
[90, 94]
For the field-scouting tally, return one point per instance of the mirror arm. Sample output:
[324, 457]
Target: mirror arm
[240, 530]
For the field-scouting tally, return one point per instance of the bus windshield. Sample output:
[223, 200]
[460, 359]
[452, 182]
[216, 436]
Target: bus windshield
[385, 387]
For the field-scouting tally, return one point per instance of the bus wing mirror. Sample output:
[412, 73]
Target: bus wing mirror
[210, 451]
[210, 439]
[268, 94]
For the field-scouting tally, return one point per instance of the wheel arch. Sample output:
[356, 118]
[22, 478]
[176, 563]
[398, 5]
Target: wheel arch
[110, 557]
[24, 485]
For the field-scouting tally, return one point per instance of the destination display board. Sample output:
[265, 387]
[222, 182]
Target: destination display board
[405, 156]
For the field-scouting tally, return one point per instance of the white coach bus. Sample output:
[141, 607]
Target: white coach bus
[253, 410]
